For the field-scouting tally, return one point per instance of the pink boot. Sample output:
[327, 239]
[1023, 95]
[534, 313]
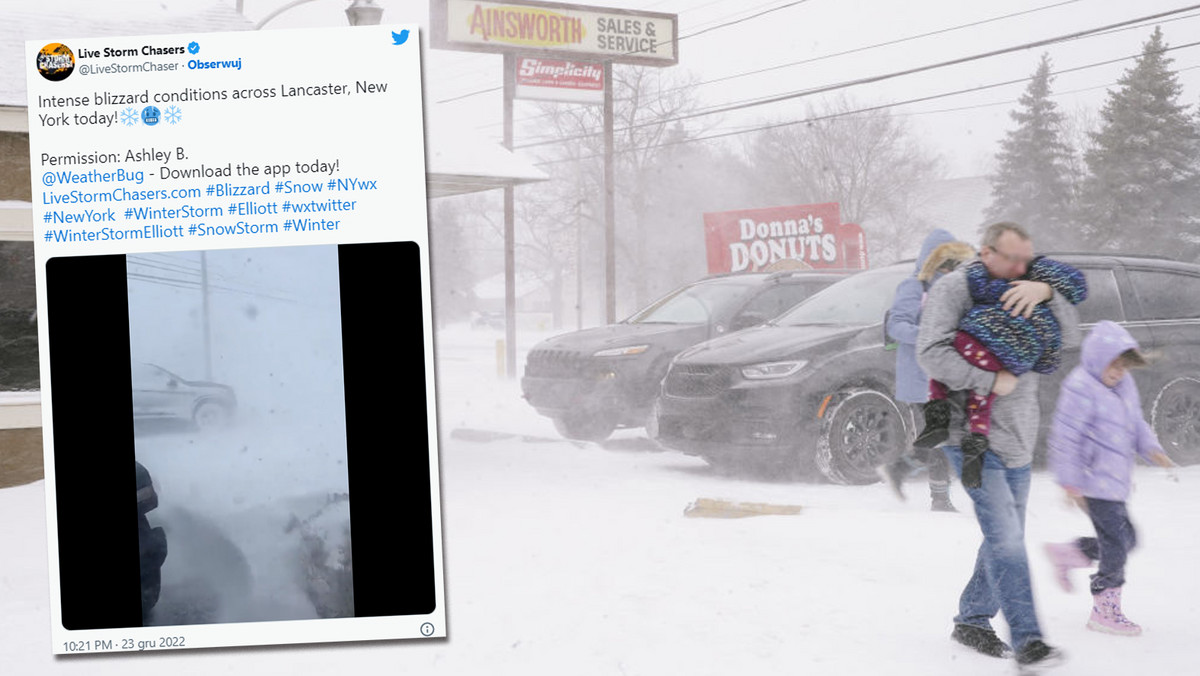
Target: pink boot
[1107, 616]
[1066, 556]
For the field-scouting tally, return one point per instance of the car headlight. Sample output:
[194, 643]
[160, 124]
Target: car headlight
[622, 351]
[774, 369]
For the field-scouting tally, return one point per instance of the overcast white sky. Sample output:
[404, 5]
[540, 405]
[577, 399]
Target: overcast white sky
[817, 28]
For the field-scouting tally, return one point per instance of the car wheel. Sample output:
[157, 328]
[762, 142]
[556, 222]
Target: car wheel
[861, 430]
[586, 426]
[209, 415]
[652, 421]
[1175, 417]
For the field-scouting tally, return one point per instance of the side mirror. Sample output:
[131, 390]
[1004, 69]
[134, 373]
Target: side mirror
[172, 383]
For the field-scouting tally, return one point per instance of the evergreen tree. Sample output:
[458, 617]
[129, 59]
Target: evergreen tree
[1140, 195]
[1033, 185]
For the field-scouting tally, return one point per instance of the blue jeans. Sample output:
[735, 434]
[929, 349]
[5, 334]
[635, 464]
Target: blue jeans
[1001, 578]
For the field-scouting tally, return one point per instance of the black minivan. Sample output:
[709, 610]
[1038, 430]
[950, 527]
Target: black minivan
[812, 389]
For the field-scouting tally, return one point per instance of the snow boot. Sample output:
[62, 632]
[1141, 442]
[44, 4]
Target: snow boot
[937, 424]
[1107, 616]
[981, 639]
[894, 473]
[974, 445]
[1065, 556]
[941, 503]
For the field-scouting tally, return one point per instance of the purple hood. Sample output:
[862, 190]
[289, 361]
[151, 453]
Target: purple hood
[1104, 344]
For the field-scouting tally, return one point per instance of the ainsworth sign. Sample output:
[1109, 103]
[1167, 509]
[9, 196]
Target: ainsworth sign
[555, 30]
[748, 240]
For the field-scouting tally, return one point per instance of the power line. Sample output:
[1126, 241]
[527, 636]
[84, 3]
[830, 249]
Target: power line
[742, 20]
[882, 44]
[836, 54]
[681, 12]
[869, 79]
[856, 50]
[753, 127]
[635, 51]
[214, 271]
[1009, 102]
[186, 284]
[821, 118]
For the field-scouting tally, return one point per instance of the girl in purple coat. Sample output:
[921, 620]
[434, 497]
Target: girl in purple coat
[1098, 431]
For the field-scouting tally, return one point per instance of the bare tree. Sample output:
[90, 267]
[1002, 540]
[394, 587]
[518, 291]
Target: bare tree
[1077, 130]
[868, 162]
[648, 103]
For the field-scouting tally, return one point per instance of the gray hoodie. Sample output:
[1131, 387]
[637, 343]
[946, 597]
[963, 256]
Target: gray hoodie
[1015, 417]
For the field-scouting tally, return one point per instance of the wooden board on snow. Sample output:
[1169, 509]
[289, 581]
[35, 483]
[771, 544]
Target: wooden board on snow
[715, 508]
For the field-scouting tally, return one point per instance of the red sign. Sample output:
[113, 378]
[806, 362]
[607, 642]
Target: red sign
[559, 80]
[748, 240]
[854, 245]
[557, 73]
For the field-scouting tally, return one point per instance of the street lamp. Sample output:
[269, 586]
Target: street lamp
[364, 13]
[360, 12]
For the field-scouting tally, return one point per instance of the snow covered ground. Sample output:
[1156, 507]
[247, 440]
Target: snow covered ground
[566, 558]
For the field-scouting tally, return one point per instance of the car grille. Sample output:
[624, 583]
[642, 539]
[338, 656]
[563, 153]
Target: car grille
[697, 380]
[556, 364]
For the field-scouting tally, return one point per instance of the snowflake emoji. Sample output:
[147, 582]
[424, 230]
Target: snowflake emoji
[130, 117]
[172, 114]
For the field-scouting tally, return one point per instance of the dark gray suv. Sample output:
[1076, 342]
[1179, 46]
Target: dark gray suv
[592, 381]
[812, 390]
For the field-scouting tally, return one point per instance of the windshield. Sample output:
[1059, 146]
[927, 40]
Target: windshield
[693, 304]
[858, 300]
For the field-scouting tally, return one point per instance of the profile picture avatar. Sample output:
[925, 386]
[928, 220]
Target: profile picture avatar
[55, 61]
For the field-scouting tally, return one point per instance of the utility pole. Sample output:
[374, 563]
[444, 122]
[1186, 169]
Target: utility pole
[610, 204]
[206, 319]
[510, 257]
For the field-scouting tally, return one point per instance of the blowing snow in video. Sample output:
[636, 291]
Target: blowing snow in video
[239, 416]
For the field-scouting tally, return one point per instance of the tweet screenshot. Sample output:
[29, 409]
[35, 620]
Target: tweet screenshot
[233, 292]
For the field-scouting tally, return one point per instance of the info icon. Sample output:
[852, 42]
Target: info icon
[151, 115]
[55, 61]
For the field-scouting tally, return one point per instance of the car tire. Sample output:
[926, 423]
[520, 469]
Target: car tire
[651, 425]
[1175, 418]
[860, 430]
[586, 426]
[210, 415]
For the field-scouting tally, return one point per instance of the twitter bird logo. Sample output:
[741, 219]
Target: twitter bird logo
[400, 38]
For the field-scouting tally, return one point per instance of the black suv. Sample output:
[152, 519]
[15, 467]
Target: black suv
[592, 381]
[813, 388]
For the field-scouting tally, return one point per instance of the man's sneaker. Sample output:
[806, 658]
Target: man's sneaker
[1036, 654]
[980, 639]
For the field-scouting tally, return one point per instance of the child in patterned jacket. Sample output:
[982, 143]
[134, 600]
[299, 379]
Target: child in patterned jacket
[991, 338]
